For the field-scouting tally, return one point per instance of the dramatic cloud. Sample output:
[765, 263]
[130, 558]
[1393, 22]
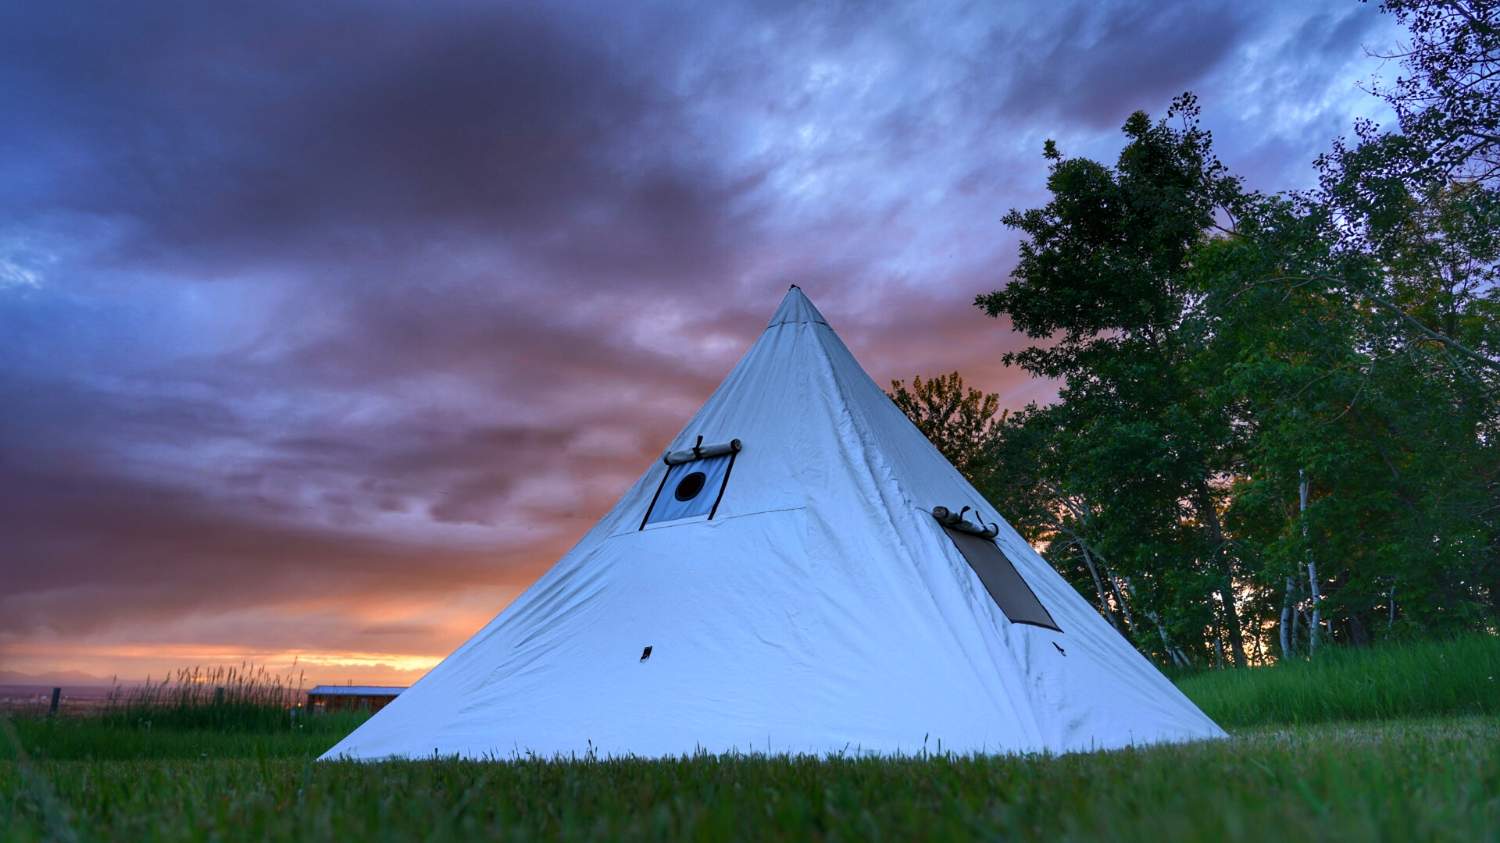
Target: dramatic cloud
[1097, 58]
[327, 327]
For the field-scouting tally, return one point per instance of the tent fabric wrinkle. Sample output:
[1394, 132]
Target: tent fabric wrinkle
[821, 609]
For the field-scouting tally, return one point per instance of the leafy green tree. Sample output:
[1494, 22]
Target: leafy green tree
[1279, 416]
[1391, 430]
[960, 420]
[1420, 251]
[1448, 100]
[1104, 282]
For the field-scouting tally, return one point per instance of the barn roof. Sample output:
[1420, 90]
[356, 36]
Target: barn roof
[357, 690]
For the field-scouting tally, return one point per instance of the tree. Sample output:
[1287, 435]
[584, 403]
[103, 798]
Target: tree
[1448, 101]
[1399, 237]
[1393, 431]
[1279, 415]
[1104, 281]
[957, 419]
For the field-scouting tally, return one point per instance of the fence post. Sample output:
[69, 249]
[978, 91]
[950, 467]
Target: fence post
[219, 695]
[56, 699]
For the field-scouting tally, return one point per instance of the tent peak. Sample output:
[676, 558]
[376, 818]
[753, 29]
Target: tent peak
[796, 307]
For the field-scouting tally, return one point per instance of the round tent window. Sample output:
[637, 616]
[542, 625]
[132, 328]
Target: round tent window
[690, 486]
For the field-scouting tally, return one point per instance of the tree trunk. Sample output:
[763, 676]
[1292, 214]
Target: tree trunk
[1312, 568]
[1114, 586]
[1088, 559]
[1315, 623]
[1208, 516]
[1173, 652]
[1288, 634]
[1166, 643]
[1095, 562]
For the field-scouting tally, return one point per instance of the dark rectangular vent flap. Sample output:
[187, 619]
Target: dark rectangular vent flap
[1001, 579]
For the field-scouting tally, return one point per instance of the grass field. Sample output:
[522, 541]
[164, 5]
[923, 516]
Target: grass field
[1414, 680]
[1305, 763]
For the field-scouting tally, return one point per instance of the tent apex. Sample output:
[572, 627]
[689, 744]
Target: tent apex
[796, 307]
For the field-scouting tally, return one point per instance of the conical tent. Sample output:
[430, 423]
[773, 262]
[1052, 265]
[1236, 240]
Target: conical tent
[779, 583]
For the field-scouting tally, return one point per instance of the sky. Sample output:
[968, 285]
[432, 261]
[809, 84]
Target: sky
[325, 328]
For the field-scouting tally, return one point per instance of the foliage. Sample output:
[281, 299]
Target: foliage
[1278, 421]
[1448, 102]
[959, 420]
[1392, 429]
[1106, 279]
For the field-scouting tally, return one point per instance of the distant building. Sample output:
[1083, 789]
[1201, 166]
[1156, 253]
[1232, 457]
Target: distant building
[370, 698]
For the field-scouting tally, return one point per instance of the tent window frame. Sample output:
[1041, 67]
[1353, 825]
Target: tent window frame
[1002, 580]
[718, 498]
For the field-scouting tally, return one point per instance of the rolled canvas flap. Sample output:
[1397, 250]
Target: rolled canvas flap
[701, 451]
[956, 521]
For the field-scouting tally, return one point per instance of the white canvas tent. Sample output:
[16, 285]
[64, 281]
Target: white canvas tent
[787, 588]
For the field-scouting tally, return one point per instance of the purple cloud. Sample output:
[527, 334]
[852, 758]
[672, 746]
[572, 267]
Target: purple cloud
[316, 315]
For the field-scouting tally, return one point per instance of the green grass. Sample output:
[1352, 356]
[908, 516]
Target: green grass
[243, 698]
[1436, 678]
[103, 739]
[1432, 780]
[1394, 744]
